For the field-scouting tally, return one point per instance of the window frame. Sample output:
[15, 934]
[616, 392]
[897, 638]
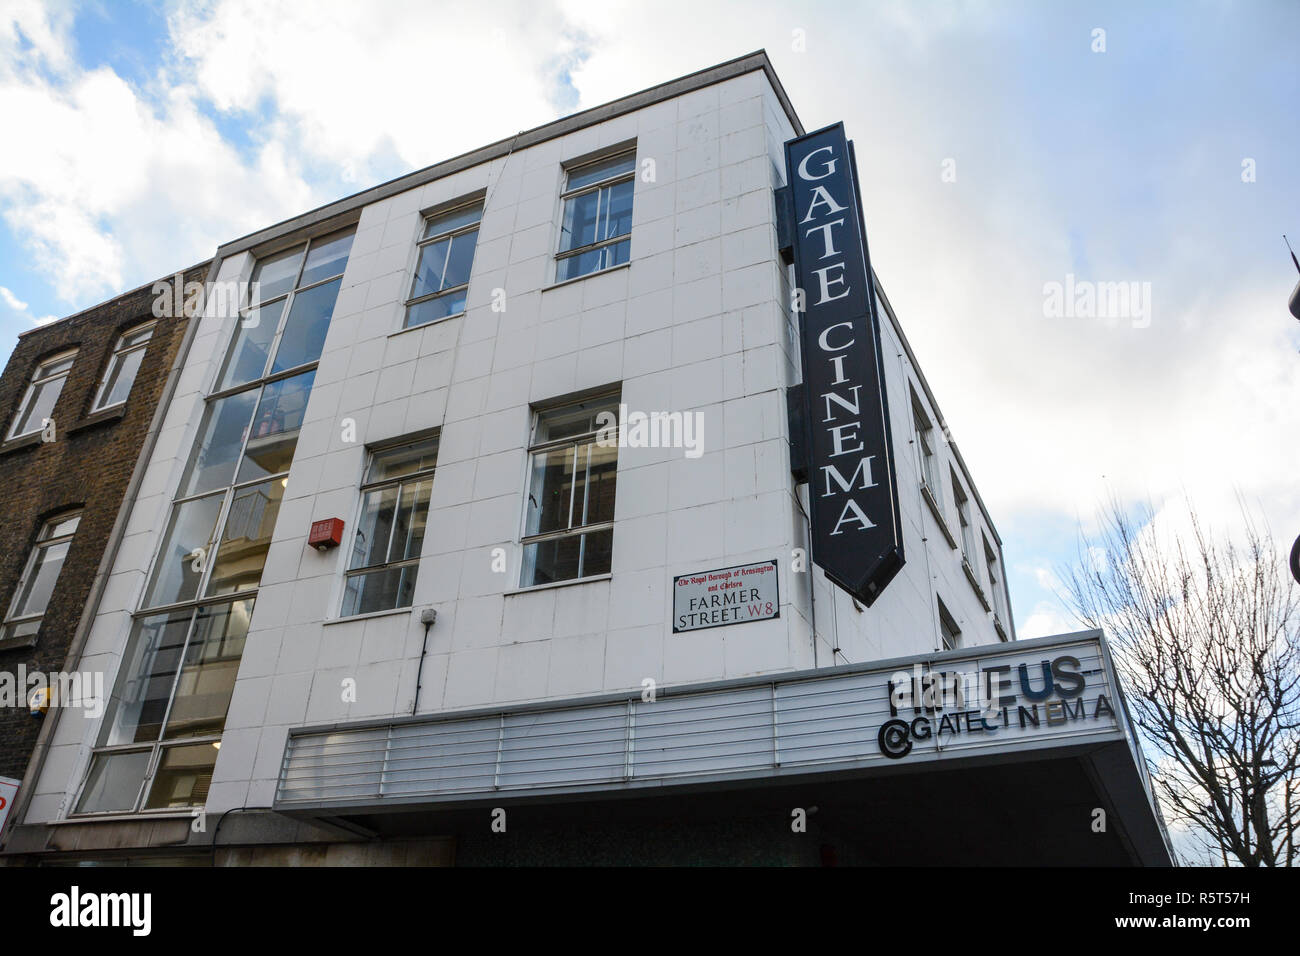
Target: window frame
[924, 428]
[33, 381]
[966, 528]
[119, 353]
[543, 447]
[39, 545]
[996, 583]
[157, 747]
[451, 235]
[567, 194]
[947, 623]
[434, 439]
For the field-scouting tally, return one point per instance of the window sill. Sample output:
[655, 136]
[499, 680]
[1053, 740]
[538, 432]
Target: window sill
[30, 440]
[559, 584]
[171, 813]
[426, 325]
[974, 583]
[935, 510]
[589, 275]
[113, 413]
[1002, 631]
[369, 616]
[16, 643]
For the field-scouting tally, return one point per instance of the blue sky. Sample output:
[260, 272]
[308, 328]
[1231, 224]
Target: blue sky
[151, 132]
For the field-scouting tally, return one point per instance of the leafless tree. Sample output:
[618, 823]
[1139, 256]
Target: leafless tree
[1206, 639]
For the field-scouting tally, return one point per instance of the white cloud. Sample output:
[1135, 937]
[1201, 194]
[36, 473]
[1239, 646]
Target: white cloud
[1047, 618]
[12, 300]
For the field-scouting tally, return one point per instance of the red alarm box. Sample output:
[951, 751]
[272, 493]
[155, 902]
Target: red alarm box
[326, 534]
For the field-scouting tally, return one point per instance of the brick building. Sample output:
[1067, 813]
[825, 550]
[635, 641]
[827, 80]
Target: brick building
[78, 398]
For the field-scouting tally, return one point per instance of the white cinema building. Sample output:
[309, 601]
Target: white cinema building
[504, 642]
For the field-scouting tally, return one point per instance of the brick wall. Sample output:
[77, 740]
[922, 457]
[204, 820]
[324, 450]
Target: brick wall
[88, 465]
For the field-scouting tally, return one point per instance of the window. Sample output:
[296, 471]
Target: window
[949, 632]
[160, 736]
[285, 327]
[41, 573]
[390, 531]
[159, 741]
[441, 280]
[569, 514]
[597, 216]
[122, 367]
[42, 394]
[963, 515]
[995, 581]
[926, 443]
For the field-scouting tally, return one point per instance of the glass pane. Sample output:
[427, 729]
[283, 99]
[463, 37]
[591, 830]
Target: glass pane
[616, 254]
[183, 776]
[58, 527]
[581, 418]
[616, 211]
[550, 491]
[138, 337]
[274, 434]
[554, 560]
[412, 512]
[54, 367]
[374, 528]
[580, 216]
[221, 436]
[241, 554]
[379, 590]
[461, 259]
[208, 675]
[603, 169]
[40, 406]
[20, 629]
[453, 220]
[428, 272]
[597, 549]
[120, 377]
[185, 551]
[276, 275]
[392, 463]
[35, 595]
[304, 333]
[430, 310]
[328, 257]
[246, 360]
[602, 473]
[114, 782]
[144, 684]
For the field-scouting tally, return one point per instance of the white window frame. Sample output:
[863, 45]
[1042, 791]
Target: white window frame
[947, 623]
[924, 427]
[42, 543]
[452, 234]
[120, 351]
[367, 487]
[966, 528]
[568, 194]
[32, 384]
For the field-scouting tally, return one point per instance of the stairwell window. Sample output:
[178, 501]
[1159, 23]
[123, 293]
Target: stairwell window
[569, 514]
[597, 225]
[441, 282]
[122, 368]
[42, 394]
[40, 574]
[390, 531]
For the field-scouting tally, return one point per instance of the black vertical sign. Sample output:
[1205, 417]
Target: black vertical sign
[857, 537]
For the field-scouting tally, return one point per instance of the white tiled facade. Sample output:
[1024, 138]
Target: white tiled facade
[697, 321]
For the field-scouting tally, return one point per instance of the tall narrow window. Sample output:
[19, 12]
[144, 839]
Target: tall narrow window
[594, 233]
[390, 531]
[160, 737]
[441, 282]
[42, 394]
[926, 445]
[122, 367]
[40, 574]
[569, 514]
[963, 515]
[995, 582]
[949, 632]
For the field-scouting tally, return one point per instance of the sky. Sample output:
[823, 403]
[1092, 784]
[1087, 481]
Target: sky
[1008, 152]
